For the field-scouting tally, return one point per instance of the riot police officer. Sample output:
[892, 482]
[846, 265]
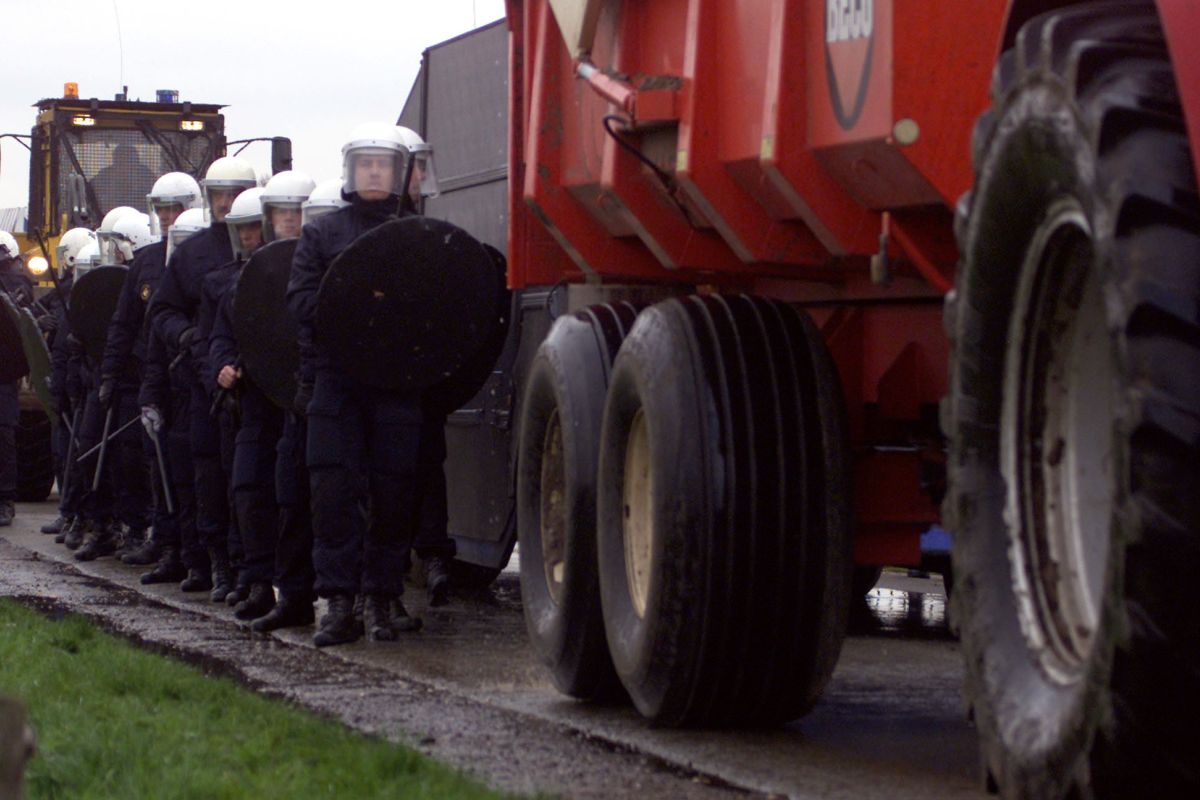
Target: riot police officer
[14, 281]
[175, 316]
[362, 442]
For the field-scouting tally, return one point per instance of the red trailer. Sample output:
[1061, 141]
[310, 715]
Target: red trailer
[837, 271]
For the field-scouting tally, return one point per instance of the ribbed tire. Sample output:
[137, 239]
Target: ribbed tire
[556, 497]
[1074, 416]
[35, 461]
[724, 537]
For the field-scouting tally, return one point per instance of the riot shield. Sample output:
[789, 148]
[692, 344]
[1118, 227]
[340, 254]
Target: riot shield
[93, 302]
[13, 364]
[265, 329]
[37, 354]
[408, 304]
[455, 391]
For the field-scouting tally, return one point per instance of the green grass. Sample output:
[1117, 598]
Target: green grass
[116, 722]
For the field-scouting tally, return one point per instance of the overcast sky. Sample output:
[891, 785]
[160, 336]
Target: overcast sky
[310, 71]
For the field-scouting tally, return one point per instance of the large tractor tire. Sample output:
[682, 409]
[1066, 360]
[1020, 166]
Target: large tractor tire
[1074, 416]
[35, 459]
[724, 514]
[556, 497]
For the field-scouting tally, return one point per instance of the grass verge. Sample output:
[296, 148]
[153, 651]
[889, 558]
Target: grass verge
[113, 721]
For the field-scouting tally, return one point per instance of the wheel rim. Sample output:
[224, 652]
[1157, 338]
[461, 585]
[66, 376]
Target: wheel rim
[1057, 445]
[553, 517]
[637, 514]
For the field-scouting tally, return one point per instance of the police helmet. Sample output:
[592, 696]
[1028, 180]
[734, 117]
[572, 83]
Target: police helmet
[172, 189]
[246, 211]
[424, 176]
[69, 245]
[229, 172]
[380, 144]
[325, 197]
[189, 222]
[285, 190]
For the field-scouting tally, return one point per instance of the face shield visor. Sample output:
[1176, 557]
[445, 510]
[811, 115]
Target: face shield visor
[246, 235]
[170, 208]
[110, 248]
[62, 262]
[177, 235]
[374, 173]
[219, 197]
[422, 182]
[282, 219]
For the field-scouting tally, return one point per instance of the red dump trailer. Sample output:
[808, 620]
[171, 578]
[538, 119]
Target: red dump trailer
[833, 272]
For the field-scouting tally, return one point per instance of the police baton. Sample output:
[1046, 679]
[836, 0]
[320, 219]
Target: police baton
[68, 463]
[107, 436]
[162, 469]
[103, 448]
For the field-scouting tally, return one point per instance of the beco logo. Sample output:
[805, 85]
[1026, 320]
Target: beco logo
[849, 45]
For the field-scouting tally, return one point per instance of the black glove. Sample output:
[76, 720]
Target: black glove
[74, 341]
[47, 323]
[185, 338]
[304, 394]
[105, 393]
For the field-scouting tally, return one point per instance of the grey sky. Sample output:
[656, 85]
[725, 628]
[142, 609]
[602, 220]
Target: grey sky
[310, 71]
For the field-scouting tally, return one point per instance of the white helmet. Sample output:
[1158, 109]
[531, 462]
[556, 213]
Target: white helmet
[109, 252]
[286, 190]
[69, 245]
[422, 160]
[325, 197]
[172, 189]
[87, 259]
[8, 246]
[132, 233]
[246, 210]
[228, 172]
[374, 139]
[189, 222]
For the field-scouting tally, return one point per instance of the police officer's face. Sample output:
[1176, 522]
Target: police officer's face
[221, 200]
[286, 222]
[250, 236]
[374, 175]
[167, 215]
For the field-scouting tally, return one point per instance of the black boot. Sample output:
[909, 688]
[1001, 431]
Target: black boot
[401, 621]
[76, 533]
[222, 577]
[287, 613]
[61, 536]
[437, 581]
[148, 552]
[56, 526]
[259, 600]
[377, 618]
[238, 595]
[197, 580]
[100, 542]
[169, 569]
[130, 540]
[7, 512]
[339, 626]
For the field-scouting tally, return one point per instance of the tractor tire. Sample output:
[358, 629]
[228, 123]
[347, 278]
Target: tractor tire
[35, 459]
[556, 498]
[1073, 416]
[863, 580]
[724, 513]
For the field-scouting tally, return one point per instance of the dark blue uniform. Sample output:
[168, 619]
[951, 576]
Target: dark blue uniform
[176, 309]
[16, 283]
[362, 447]
[253, 474]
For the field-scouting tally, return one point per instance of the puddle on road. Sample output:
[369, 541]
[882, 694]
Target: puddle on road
[893, 612]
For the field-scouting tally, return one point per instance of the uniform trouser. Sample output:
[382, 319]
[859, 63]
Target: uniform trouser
[179, 529]
[432, 538]
[79, 476]
[362, 457]
[228, 425]
[130, 468]
[95, 504]
[60, 442]
[294, 553]
[254, 501]
[10, 415]
[211, 480]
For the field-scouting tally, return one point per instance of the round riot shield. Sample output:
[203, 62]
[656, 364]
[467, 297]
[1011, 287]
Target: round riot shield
[265, 330]
[13, 364]
[455, 391]
[407, 304]
[37, 354]
[93, 302]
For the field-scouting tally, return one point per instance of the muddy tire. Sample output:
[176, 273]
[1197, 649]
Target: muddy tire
[863, 581]
[723, 534]
[35, 460]
[556, 497]
[1074, 417]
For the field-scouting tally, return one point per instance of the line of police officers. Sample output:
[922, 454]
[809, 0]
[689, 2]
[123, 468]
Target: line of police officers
[220, 489]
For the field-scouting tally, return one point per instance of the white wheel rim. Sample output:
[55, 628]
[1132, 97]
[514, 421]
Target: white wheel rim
[553, 516]
[637, 527]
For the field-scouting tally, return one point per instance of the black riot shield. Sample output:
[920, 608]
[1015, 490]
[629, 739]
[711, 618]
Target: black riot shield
[37, 354]
[407, 304]
[265, 329]
[454, 392]
[13, 364]
[93, 302]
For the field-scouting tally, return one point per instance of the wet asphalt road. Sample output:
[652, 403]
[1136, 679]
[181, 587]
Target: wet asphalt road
[467, 690]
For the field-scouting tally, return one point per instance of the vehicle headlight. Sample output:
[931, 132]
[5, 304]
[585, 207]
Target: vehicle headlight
[38, 265]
